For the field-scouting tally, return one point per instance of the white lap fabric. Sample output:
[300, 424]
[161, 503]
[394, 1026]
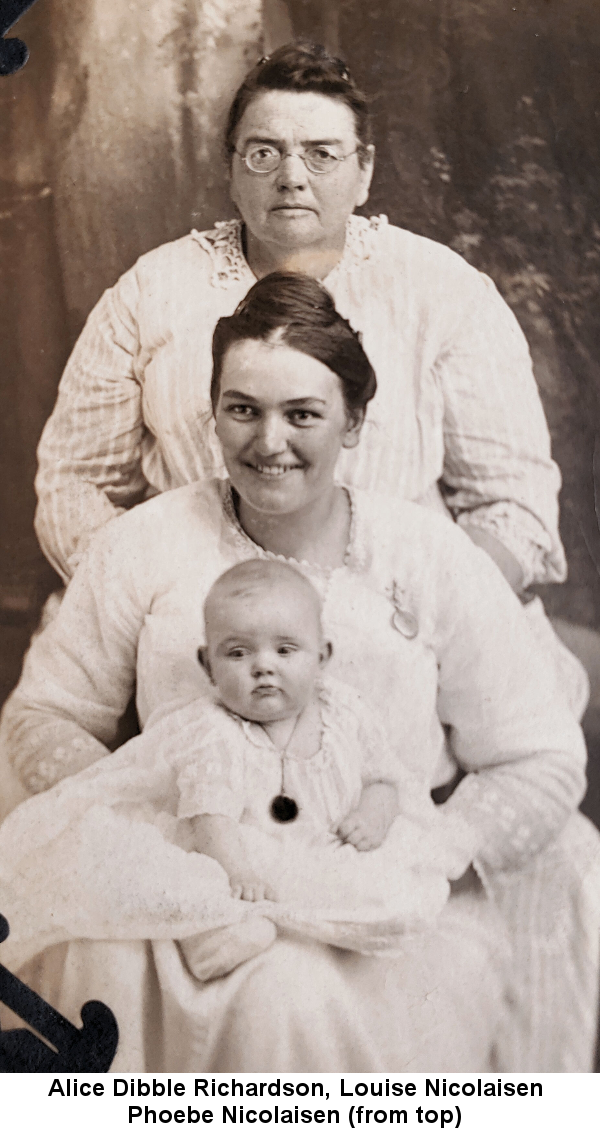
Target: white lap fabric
[300, 1006]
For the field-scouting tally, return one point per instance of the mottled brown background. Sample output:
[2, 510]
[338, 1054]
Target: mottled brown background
[487, 128]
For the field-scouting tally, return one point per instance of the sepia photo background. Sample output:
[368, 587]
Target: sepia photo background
[487, 127]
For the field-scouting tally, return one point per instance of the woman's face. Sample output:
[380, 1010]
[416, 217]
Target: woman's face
[293, 209]
[281, 420]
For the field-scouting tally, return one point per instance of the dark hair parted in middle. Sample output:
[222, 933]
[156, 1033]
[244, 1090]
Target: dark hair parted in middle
[302, 315]
[302, 66]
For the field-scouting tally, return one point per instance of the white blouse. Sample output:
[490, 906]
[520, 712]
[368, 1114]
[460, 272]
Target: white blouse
[456, 398]
[421, 622]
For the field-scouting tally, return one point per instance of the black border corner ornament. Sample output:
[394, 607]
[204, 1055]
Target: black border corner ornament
[13, 53]
[91, 1048]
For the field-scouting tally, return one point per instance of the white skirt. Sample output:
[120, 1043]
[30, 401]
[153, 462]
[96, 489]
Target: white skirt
[300, 1006]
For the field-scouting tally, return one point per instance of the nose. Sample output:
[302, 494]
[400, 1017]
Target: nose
[291, 174]
[262, 665]
[271, 436]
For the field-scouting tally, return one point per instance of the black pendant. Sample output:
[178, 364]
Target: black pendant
[284, 810]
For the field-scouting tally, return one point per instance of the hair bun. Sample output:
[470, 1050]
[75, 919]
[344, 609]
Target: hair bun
[302, 313]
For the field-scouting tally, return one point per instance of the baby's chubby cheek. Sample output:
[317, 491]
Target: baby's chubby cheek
[234, 687]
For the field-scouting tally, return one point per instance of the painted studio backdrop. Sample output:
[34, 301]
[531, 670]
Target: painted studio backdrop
[487, 130]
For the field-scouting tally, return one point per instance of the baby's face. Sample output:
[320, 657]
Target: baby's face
[264, 652]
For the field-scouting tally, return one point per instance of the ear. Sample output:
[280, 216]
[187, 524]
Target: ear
[366, 175]
[356, 419]
[202, 655]
[325, 653]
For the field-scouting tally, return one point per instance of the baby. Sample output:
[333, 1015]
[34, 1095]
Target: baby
[284, 748]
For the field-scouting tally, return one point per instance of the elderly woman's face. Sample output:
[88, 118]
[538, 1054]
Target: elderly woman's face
[281, 420]
[292, 208]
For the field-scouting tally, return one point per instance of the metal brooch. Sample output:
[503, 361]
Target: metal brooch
[403, 620]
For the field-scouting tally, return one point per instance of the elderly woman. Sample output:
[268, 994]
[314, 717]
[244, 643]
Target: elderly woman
[420, 621]
[457, 419]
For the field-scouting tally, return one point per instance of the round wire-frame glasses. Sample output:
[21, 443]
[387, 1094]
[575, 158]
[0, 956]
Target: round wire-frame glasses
[264, 159]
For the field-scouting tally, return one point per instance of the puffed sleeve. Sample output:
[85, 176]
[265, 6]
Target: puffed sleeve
[79, 673]
[498, 473]
[355, 726]
[379, 765]
[90, 451]
[359, 731]
[510, 727]
[210, 769]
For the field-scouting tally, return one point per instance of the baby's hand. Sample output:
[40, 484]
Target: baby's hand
[364, 833]
[366, 827]
[248, 888]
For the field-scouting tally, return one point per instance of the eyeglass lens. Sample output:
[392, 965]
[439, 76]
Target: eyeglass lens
[266, 159]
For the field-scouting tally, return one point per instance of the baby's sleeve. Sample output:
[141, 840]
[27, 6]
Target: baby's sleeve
[211, 777]
[377, 762]
[381, 764]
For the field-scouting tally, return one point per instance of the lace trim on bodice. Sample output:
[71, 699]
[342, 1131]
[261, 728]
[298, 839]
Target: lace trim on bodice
[224, 246]
[355, 557]
[321, 759]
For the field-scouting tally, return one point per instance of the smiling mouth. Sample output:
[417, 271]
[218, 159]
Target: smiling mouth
[274, 471]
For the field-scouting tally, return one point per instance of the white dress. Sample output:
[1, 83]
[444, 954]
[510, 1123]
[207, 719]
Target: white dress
[473, 672]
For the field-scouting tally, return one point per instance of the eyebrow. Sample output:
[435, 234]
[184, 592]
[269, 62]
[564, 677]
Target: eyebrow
[304, 142]
[304, 400]
[232, 394]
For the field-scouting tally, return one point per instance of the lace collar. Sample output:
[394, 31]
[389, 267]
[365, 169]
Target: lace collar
[355, 557]
[321, 758]
[224, 247]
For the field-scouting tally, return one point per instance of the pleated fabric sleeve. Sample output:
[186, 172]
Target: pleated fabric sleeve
[91, 449]
[509, 725]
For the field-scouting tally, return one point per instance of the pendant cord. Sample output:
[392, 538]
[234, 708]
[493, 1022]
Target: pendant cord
[282, 760]
[283, 755]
